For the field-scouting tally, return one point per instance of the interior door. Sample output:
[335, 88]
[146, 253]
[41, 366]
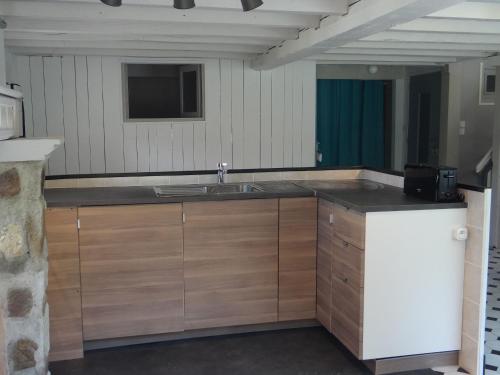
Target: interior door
[425, 119]
[190, 79]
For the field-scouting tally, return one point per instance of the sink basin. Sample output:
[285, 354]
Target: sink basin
[233, 188]
[191, 190]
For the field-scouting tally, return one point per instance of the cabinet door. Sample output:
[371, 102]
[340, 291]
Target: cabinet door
[63, 292]
[231, 263]
[297, 258]
[324, 264]
[132, 270]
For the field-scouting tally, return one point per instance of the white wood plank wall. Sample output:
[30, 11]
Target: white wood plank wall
[252, 119]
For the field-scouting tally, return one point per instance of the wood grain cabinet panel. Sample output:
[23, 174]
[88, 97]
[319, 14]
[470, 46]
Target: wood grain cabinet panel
[349, 226]
[63, 292]
[132, 270]
[297, 258]
[231, 263]
[324, 264]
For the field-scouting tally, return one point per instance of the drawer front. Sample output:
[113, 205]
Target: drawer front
[348, 263]
[349, 225]
[347, 332]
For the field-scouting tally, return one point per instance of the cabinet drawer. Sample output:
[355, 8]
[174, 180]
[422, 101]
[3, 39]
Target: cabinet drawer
[348, 263]
[349, 225]
[347, 331]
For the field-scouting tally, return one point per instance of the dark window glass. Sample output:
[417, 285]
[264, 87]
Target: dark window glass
[490, 83]
[190, 91]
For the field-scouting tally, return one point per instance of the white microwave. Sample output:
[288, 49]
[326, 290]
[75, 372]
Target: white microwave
[11, 113]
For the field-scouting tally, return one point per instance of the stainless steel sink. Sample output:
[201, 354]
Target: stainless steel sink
[191, 190]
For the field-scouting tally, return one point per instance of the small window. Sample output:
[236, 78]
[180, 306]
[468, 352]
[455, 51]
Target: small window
[155, 92]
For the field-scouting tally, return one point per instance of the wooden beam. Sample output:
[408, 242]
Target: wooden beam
[97, 12]
[135, 45]
[145, 28]
[320, 61]
[317, 7]
[35, 36]
[429, 37]
[365, 18]
[440, 25]
[395, 59]
[408, 51]
[477, 47]
[471, 10]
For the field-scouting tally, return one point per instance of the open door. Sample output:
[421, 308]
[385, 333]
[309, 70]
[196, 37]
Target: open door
[190, 86]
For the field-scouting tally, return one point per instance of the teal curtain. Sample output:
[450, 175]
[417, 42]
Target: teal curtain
[350, 123]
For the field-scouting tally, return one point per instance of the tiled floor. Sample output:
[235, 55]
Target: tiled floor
[492, 345]
[308, 351]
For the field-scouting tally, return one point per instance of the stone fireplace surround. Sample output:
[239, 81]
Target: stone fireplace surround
[24, 323]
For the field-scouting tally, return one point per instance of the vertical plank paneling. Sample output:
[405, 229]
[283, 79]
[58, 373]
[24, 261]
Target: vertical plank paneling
[177, 156]
[112, 106]
[266, 119]
[70, 115]
[225, 109]
[38, 97]
[309, 115]
[212, 111]
[142, 148]
[297, 113]
[199, 146]
[288, 123]
[24, 79]
[96, 115]
[54, 110]
[187, 146]
[153, 147]
[165, 148]
[82, 110]
[130, 147]
[251, 93]
[278, 115]
[237, 112]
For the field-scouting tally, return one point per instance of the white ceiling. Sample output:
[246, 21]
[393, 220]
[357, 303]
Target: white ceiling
[402, 32]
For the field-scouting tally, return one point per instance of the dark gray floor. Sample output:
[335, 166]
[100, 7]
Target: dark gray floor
[308, 351]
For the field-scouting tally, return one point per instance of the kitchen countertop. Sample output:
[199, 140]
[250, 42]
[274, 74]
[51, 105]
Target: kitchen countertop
[359, 195]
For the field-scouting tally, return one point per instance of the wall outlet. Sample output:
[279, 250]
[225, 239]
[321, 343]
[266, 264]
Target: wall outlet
[461, 127]
[461, 234]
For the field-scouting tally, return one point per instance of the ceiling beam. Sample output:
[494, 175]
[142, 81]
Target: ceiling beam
[96, 11]
[395, 59]
[405, 52]
[430, 37]
[44, 51]
[440, 25]
[321, 61]
[134, 45]
[471, 10]
[364, 18]
[20, 35]
[476, 47]
[315, 7]
[145, 28]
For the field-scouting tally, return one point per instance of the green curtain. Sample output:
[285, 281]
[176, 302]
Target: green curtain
[350, 123]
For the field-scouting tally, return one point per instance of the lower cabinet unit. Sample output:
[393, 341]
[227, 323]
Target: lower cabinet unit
[394, 280]
[132, 270]
[63, 292]
[231, 263]
[297, 258]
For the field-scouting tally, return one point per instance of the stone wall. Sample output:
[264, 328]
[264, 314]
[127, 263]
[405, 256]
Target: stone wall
[24, 325]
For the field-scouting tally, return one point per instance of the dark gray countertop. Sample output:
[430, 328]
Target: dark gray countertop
[360, 195]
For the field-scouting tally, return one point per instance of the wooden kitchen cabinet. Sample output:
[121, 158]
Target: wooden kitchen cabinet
[297, 258]
[132, 270]
[63, 292]
[324, 264]
[231, 263]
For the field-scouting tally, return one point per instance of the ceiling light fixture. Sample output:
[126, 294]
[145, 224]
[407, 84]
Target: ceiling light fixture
[250, 4]
[112, 3]
[184, 4]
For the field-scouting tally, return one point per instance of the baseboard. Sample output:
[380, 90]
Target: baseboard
[412, 363]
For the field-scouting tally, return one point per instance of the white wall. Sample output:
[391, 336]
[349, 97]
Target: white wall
[252, 119]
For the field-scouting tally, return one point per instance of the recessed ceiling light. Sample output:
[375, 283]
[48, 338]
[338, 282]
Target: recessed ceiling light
[112, 3]
[250, 4]
[184, 4]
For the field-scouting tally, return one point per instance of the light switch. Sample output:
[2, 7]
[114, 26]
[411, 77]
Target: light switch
[461, 234]
[461, 127]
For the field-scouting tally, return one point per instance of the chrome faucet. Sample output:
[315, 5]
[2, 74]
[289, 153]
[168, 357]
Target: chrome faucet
[221, 172]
